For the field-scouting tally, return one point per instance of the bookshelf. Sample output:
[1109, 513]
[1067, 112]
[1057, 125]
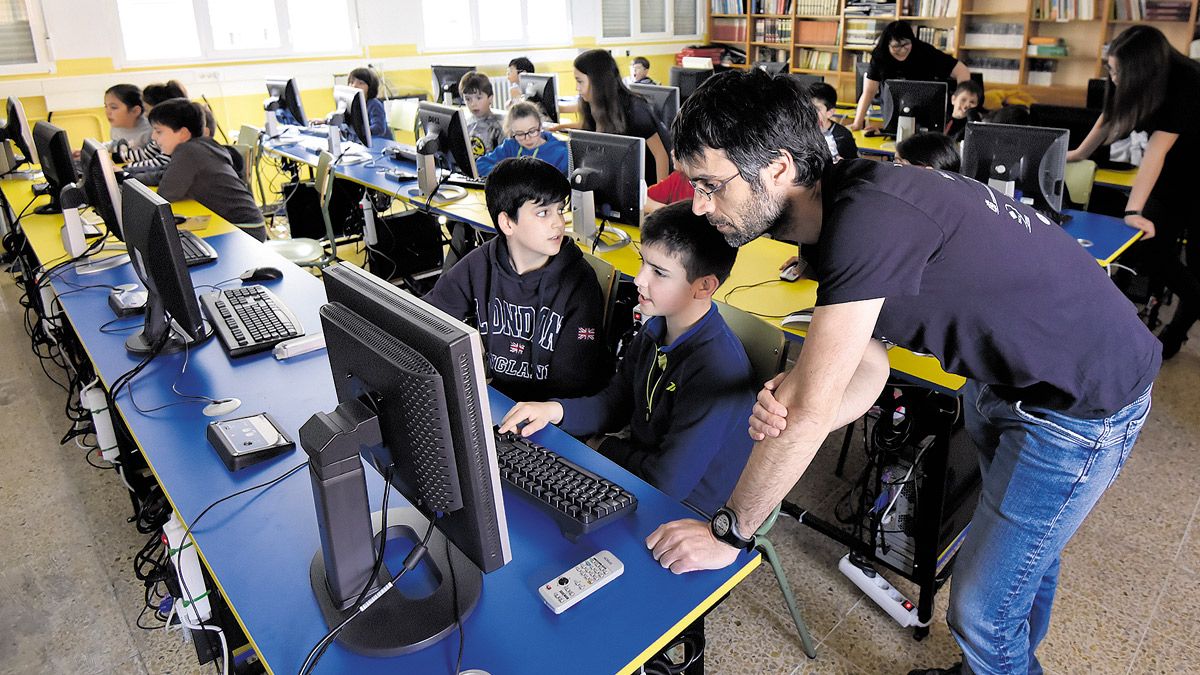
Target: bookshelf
[1047, 48]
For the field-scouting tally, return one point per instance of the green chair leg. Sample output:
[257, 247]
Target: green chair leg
[764, 545]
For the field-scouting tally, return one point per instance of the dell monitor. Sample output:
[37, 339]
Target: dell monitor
[352, 110]
[413, 402]
[539, 88]
[1025, 163]
[173, 319]
[16, 132]
[54, 151]
[910, 106]
[286, 93]
[607, 175]
[445, 83]
[663, 100]
[772, 67]
[444, 145]
[806, 80]
[688, 80]
[1077, 121]
[97, 188]
[1097, 89]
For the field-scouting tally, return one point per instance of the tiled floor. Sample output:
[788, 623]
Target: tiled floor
[1129, 600]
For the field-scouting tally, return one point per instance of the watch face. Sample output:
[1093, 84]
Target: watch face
[720, 524]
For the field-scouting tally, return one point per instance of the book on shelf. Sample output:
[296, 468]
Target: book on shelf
[771, 7]
[815, 59]
[941, 38]
[776, 31]
[1046, 50]
[1065, 10]
[728, 6]
[863, 32]
[817, 7]
[870, 8]
[1151, 10]
[929, 8]
[728, 30]
[817, 32]
[994, 35]
[770, 54]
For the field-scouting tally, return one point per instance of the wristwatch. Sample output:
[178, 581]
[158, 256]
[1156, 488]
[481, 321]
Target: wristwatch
[1133, 213]
[724, 527]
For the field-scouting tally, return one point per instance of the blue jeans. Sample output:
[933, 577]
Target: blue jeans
[1042, 473]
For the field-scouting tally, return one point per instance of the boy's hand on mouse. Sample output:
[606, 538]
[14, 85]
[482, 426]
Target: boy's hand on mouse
[535, 416]
[769, 417]
[789, 262]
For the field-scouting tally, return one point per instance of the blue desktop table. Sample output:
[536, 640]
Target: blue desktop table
[258, 546]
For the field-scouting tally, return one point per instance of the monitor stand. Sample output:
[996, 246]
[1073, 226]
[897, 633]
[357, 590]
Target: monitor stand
[427, 183]
[394, 624]
[583, 225]
[74, 237]
[138, 343]
[906, 127]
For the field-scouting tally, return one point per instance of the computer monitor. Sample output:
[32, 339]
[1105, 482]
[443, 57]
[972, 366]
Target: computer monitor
[54, 151]
[444, 146]
[172, 312]
[910, 106]
[97, 187]
[663, 100]
[352, 109]
[607, 175]
[1077, 121]
[99, 181]
[806, 80]
[445, 83]
[772, 67]
[412, 400]
[687, 80]
[1097, 89]
[1025, 163]
[16, 131]
[286, 93]
[540, 88]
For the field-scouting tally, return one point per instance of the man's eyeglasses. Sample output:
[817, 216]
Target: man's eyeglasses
[532, 133]
[710, 189]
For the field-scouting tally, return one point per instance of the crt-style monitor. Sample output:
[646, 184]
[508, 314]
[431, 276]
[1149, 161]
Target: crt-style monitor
[54, 151]
[445, 83]
[413, 402]
[663, 100]
[1025, 163]
[910, 106]
[607, 175]
[540, 89]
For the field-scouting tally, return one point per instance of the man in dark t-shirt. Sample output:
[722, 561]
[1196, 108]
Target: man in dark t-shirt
[1059, 367]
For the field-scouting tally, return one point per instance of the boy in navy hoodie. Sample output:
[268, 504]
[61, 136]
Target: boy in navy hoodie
[533, 297]
[685, 387]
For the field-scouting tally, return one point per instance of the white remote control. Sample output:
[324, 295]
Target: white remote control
[561, 593]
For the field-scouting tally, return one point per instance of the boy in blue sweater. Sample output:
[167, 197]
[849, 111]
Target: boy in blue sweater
[685, 387]
[523, 126]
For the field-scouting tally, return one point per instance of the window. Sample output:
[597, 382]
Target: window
[226, 29]
[20, 36]
[457, 24]
[648, 19]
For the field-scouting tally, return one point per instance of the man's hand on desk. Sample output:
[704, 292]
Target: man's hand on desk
[688, 545]
[769, 416]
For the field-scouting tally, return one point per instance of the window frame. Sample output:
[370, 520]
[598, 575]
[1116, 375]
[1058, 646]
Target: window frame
[210, 54]
[37, 29]
[635, 24]
[476, 43]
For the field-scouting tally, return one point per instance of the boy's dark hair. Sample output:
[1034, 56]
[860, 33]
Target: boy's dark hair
[522, 64]
[971, 87]
[179, 113]
[937, 151]
[753, 117]
[367, 75]
[701, 249]
[128, 94]
[475, 82]
[210, 120]
[643, 61]
[155, 94]
[1010, 114]
[819, 91]
[517, 180]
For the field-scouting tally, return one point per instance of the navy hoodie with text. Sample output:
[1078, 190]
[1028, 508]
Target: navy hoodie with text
[686, 404]
[541, 329]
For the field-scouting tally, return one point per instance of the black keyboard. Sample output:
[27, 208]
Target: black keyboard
[578, 500]
[249, 319]
[466, 181]
[196, 251]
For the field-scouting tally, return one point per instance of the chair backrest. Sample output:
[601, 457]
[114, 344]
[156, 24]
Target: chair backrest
[765, 344]
[324, 185]
[244, 153]
[606, 274]
[1080, 177]
[247, 135]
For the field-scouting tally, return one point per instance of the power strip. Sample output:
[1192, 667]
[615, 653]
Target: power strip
[892, 601]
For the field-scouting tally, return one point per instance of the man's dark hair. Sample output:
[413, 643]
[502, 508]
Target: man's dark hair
[475, 82]
[971, 87]
[930, 149]
[128, 94]
[522, 64]
[643, 61]
[701, 249]
[517, 180]
[753, 117]
[163, 91]
[819, 91]
[179, 113]
[367, 75]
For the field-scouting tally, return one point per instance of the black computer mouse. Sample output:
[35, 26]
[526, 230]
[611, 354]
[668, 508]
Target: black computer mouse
[262, 274]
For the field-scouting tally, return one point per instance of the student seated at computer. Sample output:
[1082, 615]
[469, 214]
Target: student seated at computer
[515, 67]
[151, 174]
[200, 168]
[533, 297]
[675, 188]
[639, 71]
[365, 80]
[685, 385]
[523, 127]
[966, 102]
[150, 155]
[1009, 114]
[840, 139]
[126, 114]
[929, 149]
[485, 129]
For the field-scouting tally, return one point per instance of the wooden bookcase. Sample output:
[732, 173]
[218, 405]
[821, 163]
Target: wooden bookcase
[828, 38]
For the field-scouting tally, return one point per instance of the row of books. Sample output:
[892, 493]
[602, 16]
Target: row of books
[1046, 46]
[818, 7]
[995, 70]
[994, 35]
[728, 6]
[863, 32]
[1151, 10]
[929, 8]
[817, 32]
[729, 30]
[770, 54]
[815, 59]
[1065, 10]
[942, 38]
[773, 30]
[771, 7]
[870, 8]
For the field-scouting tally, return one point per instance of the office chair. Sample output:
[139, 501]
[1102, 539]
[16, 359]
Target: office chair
[1080, 177]
[765, 346]
[311, 252]
[606, 274]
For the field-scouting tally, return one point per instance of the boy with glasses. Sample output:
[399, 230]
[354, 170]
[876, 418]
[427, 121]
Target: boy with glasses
[484, 128]
[523, 127]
